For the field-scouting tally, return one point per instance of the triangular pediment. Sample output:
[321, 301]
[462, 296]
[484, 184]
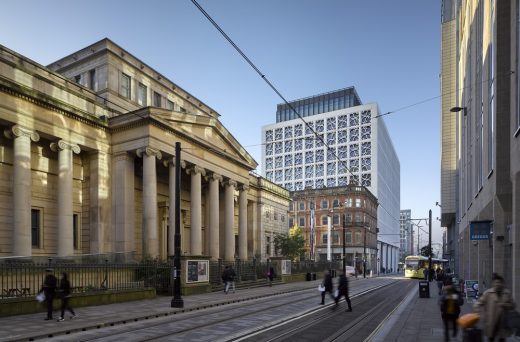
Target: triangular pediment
[206, 131]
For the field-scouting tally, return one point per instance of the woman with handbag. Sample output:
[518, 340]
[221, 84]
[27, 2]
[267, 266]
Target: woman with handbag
[64, 292]
[493, 306]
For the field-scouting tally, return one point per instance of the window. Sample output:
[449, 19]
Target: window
[92, 84]
[268, 245]
[291, 206]
[275, 216]
[156, 99]
[348, 237]
[358, 202]
[302, 205]
[335, 219]
[36, 219]
[302, 222]
[282, 218]
[141, 96]
[75, 231]
[348, 203]
[77, 79]
[324, 204]
[291, 222]
[358, 237]
[324, 239]
[171, 105]
[335, 203]
[335, 238]
[324, 220]
[125, 86]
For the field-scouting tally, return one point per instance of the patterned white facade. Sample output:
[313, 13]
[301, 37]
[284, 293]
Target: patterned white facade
[360, 150]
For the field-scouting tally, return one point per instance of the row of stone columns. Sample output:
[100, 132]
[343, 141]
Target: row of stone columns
[196, 173]
[123, 193]
[22, 178]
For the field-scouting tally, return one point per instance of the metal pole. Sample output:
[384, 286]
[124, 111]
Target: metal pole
[365, 254]
[177, 301]
[344, 255]
[430, 245]
[329, 224]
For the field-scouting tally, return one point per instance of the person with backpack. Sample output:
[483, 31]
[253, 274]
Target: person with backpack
[450, 303]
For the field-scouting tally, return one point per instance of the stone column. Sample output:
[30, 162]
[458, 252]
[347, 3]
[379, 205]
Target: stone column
[196, 208]
[150, 240]
[65, 209]
[171, 212]
[22, 241]
[229, 215]
[214, 217]
[242, 223]
[99, 191]
[123, 203]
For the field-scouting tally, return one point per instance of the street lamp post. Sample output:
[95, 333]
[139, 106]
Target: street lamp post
[177, 301]
[365, 254]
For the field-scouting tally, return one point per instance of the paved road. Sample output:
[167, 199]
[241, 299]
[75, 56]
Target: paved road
[224, 323]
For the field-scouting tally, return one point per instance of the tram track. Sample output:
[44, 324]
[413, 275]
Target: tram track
[333, 320]
[164, 327]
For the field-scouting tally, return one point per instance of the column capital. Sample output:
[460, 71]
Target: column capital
[193, 169]
[63, 145]
[229, 182]
[149, 151]
[18, 131]
[171, 161]
[244, 187]
[214, 176]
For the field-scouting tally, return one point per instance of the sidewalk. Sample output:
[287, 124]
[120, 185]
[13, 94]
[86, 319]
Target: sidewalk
[419, 319]
[33, 326]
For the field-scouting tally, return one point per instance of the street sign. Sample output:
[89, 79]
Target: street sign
[479, 230]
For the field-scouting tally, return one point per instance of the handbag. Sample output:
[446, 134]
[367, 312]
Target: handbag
[468, 320]
[321, 288]
[40, 297]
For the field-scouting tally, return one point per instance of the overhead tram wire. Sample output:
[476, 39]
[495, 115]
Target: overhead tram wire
[262, 75]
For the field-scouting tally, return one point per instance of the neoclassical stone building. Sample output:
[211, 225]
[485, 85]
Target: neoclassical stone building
[87, 164]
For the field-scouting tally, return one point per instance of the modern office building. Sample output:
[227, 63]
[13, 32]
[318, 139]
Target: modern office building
[87, 164]
[480, 161]
[406, 232]
[339, 140]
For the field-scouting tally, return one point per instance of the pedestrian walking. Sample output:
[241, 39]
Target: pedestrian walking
[327, 285]
[231, 278]
[343, 291]
[450, 302]
[49, 290]
[270, 275]
[64, 294]
[492, 307]
[439, 277]
[226, 279]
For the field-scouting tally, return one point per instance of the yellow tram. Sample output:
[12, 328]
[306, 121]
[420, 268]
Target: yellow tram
[415, 266]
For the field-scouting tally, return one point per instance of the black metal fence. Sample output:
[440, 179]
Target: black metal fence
[24, 278]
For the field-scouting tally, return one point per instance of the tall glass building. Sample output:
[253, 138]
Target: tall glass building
[338, 141]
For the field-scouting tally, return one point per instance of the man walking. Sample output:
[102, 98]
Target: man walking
[343, 291]
[49, 289]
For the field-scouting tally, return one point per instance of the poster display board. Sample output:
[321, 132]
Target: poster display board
[471, 288]
[197, 271]
[286, 266]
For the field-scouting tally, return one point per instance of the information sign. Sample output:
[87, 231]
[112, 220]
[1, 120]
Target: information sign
[471, 288]
[197, 271]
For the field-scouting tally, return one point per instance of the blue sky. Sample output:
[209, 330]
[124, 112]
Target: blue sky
[388, 50]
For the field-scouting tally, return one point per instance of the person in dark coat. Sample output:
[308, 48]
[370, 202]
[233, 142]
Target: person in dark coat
[343, 291]
[49, 290]
[327, 284]
[439, 276]
[226, 279]
[270, 275]
[450, 302]
[64, 294]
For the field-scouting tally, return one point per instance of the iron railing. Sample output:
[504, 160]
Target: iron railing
[21, 277]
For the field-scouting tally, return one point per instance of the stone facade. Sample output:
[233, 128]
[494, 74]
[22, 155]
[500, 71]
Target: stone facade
[352, 209]
[87, 163]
